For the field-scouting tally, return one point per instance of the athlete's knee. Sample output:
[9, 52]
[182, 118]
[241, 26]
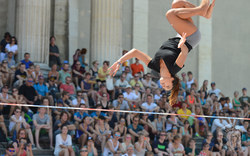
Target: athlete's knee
[170, 13]
[178, 4]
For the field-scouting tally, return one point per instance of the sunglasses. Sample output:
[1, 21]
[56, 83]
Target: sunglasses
[83, 150]
[11, 150]
[117, 135]
[29, 81]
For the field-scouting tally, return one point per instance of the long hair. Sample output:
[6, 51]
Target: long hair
[175, 90]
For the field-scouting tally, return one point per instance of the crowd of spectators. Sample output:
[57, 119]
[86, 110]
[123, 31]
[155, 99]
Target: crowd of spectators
[85, 132]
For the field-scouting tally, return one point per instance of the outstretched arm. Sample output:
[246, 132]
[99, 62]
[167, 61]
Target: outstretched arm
[131, 54]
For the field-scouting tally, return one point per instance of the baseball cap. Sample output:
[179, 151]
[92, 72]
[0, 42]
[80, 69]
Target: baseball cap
[128, 86]
[212, 83]
[244, 88]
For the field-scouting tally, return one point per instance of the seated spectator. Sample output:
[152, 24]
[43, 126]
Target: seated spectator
[200, 123]
[144, 95]
[128, 75]
[112, 147]
[6, 98]
[126, 142]
[53, 90]
[159, 122]
[121, 127]
[137, 67]
[79, 100]
[245, 140]
[94, 69]
[42, 121]
[173, 132]
[36, 73]
[191, 149]
[20, 76]
[234, 144]
[173, 120]
[68, 87]
[120, 104]
[176, 148]
[53, 74]
[219, 142]
[66, 100]
[102, 90]
[147, 124]
[64, 72]
[160, 145]
[137, 91]
[185, 111]
[102, 73]
[131, 97]
[91, 147]
[186, 132]
[85, 130]
[135, 81]
[9, 59]
[6, 40]
[41, 88]
[28, 92]
[26, 60]
[142, 145]
[157, 95]
[3, 127]
[19, 135]
[30, 70]
[148, 153]
[18, 98]
[121, 84]
[64, 119]
[78, 73]
[9, 150]
[57, 111]
[148, 82]
[220, 123]
[17, 122]
[191, 100]
[24, 148]
[191, 80]
[129, 151]
[205, 150]
[135, 128]
[149, 105]
[97, 114]
[104, 102]
[87, 86]
[111, 117]
[244, 99]
[5, 71]
[215, 108]
[84, 151]
[12, 46]
[64, 143]
[208, 140]
[102, 131]
[79, 115]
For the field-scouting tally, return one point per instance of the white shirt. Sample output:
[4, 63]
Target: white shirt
[230, 105]
[189, 83]
[60, 141]
[74, 102]
[127, 154]
[149, 107]
[222, 125]
[157, 97]
[119, 83]
[13, 48]
[130, 96]
[13, 123]
[216, 92]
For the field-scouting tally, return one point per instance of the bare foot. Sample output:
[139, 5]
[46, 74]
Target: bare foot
[210, 10]
[39, 147]
[204, 7]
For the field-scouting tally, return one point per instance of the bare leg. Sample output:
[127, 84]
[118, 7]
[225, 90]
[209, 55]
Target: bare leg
[37, 138]
[29, 132]
[178, 17]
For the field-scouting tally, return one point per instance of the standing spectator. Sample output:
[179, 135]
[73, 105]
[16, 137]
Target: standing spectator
[112, 147]
[68, 87]
[128, 74]
[148, 82]
[20, 76]
[26, 60]
[9, 150]
[63, 145]
[53, 74]
[3, 43]
[41, 120]
[244, 99]
[54, 52]
[137, 67]
[176, 148]
[191, 80]
[64, 73]
[160, 145]
[142, 145]
[121, 84]
[17, 122]
[9, 59]
[103, 73]
[78, 73]
[94, 69]
[12, 47]
[215, 90]
[36, 73]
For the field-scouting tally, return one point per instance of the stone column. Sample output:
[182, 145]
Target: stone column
[205, 51]
[106, 33]
[33, 29]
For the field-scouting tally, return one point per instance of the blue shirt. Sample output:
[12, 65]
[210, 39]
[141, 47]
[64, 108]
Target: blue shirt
[95, 115]
[41, 89]
[79, 116]
[27, 64]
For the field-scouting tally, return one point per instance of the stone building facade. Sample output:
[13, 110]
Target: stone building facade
[106, 27]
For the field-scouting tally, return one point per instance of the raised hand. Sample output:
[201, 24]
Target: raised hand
[114, 68]
[183, 40]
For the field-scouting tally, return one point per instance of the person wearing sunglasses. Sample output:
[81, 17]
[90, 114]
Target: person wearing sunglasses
[84, 151]
[10, 150]
[112, 147]
[160, 146]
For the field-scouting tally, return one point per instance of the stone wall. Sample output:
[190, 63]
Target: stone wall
[3, 17]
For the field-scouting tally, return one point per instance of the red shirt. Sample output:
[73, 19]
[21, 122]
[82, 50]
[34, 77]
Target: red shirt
[68, 88]
[136, 68]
